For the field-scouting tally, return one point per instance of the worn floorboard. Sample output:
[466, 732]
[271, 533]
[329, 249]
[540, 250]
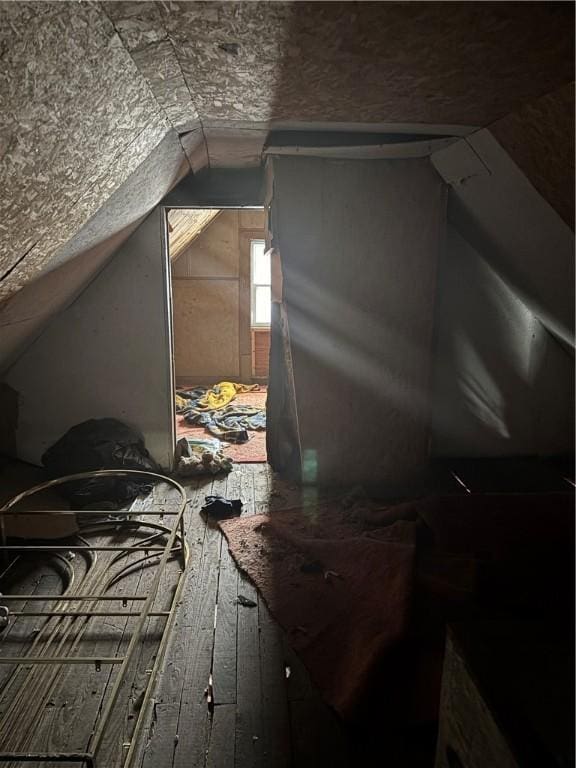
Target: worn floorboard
[222, 743]
[261, 717]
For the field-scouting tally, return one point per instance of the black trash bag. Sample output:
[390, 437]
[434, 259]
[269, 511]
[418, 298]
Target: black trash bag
[100, 444]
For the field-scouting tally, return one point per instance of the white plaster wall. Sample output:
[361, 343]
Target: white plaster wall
[108, 354]
[502, 385]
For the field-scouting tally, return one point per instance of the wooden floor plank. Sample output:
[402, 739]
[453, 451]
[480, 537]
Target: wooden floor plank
[225, 640]
[258, 711]
[247, 489]
[298, 684]
[84, 691]
[179, 694]
[19, 634]
[198, 622]
[249, 741]
[261, 489]
[221, 747]
[162, 736]
[318, 740]
[275, 713]
[224, 665]
[249, 746]
[194, 720]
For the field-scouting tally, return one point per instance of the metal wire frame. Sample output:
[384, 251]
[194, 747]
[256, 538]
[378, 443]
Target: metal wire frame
[175, 545]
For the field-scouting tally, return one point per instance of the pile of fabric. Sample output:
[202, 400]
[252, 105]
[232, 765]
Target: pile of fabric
[200, 457]
[212, 409]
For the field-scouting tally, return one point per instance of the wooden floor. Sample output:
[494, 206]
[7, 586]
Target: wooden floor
[266, 712]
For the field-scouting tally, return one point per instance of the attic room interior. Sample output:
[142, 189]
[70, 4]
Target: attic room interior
[221, 308]
[287, 384]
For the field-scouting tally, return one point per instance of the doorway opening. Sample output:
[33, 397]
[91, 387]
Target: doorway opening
[221, 311]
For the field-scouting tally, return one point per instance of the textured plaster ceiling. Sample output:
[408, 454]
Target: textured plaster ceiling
[89, 90]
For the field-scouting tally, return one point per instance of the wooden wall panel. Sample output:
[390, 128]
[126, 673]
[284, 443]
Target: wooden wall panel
[185, 225]
[211, 299]
[214, 253]
[260, 352]
[206, 329]
[252, 219]
[245, 319]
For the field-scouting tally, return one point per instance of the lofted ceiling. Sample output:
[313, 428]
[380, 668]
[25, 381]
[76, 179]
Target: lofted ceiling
[185, 225]
[91, 93]
[370, 62]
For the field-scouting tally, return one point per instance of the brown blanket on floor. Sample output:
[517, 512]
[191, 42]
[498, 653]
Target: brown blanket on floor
[344, 585]
[321, 580]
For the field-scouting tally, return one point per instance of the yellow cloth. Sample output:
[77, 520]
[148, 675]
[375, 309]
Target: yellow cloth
[181, 402]
[223, 394]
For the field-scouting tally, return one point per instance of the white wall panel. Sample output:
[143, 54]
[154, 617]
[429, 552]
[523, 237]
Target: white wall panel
[359, 242]
[502, 384]
[108, 354]
[518, 232]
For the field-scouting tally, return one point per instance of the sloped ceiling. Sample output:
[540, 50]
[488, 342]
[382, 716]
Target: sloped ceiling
[540, 139]
[463, 63]
[184, 226]
[78, 119]
[89, 90]
[24, 313]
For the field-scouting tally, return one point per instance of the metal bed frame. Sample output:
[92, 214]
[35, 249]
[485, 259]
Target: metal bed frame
[175, 546]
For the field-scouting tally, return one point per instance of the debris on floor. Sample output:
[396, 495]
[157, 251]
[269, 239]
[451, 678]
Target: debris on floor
[212, 409]
[211, 398]
[245, 601]
[200, 457]
[240, 425]
[100, 444]
[209, 694]
[230, 423]
[221, 508]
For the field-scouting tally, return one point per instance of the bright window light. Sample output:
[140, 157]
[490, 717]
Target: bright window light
[260, 280]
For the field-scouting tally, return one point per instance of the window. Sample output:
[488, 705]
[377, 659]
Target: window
[261, 280]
